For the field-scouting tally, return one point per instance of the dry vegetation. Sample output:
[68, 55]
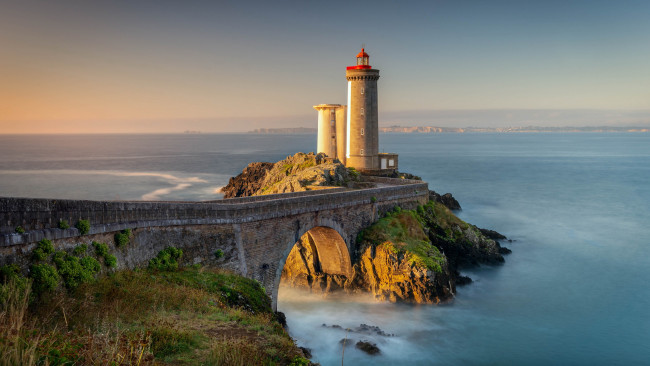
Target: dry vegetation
[186, 316]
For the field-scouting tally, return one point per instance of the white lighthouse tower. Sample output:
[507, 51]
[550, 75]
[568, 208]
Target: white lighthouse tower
[351, 133]
[362, 151]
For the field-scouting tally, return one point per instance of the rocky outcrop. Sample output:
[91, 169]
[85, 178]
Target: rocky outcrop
[300, 172]
[248, 182]
[462, 243]
[446, 199]
[303, 172]
[407, 256]
[368, 347]
[393, 276]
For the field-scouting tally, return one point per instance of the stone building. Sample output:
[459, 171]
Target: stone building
[351, 132]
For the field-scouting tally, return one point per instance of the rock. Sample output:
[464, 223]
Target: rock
[306, 352]
[446, 199]
[281, 318]
[371, 329]
[463, 280]
[248, 182]
[367, 347]
[346, 342]
[492, 234]
[462, 243]
[504, 250]
[302, 172]
[394, 277]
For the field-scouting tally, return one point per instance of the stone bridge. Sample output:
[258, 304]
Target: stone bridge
[255, 234]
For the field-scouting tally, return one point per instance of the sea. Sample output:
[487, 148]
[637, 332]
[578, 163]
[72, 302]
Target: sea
[574, 206]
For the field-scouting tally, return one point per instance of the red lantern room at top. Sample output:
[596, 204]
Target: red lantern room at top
[362, 61]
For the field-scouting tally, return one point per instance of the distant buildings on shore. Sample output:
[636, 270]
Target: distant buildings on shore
[433, 129]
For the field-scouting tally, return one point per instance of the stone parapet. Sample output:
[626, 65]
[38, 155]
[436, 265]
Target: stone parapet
[40, 217]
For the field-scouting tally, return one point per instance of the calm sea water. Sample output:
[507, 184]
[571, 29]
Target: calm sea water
[574, 291]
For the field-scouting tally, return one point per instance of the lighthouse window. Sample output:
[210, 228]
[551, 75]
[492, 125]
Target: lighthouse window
[362, 90]
[362, 132]
[361, 151]
[362, 111]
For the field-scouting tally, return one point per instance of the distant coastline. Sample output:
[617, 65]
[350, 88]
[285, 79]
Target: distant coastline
[288, 130]
[434, 129]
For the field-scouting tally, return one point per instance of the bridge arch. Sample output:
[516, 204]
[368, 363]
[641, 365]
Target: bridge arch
[331, 248]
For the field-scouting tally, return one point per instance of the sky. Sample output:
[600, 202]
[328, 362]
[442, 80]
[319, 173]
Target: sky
[215, 66]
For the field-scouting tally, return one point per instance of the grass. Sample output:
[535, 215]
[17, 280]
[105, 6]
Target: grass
[403, 233]
[189, 316]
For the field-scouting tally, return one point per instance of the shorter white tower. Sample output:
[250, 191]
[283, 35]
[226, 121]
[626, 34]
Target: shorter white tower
[332, 130]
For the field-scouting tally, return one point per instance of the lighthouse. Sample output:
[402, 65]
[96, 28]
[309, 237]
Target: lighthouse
[351, 132]
[362, 152]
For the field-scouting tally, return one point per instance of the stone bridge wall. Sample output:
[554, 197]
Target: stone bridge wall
[255, 234]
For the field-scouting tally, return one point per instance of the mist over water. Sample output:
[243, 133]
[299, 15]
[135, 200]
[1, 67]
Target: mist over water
[573, 292]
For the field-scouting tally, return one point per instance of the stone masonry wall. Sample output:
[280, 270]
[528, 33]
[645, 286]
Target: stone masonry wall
[255, 235]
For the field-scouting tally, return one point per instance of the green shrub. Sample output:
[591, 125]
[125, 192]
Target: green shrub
[45, 278]
[20, 230]
[83, 226]
[80, 249]
[11, 272]
[59, 256]
[43, 249]
[300, 361]
[166, 260]
[122, 238]
[110, 260]
[63, 224]
[90, 264]
[218, 254]
[373, 199]
[101, 249]
[76, 271]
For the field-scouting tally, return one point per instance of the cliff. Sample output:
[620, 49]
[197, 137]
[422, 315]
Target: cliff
[300, 172]
[406, 256]
[248, 182]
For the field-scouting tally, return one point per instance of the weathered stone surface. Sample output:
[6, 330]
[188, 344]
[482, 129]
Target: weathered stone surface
[302, 172]
[297, 173]
[393, 277]
[248, 182]
[387, 275]
[446, 199]
[491, 234]
[367, 347]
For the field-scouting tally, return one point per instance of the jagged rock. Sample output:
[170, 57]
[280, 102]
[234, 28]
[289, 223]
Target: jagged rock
[346, 342]
[463, 280]
[446, 199]
[393, 277]
[371, 329]
[367, 347]
[248, 182]
[504, 250]
[302, 172]
[405, 176]
[306, 352]
[379, 270]
[492, 234]
[281, 318]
